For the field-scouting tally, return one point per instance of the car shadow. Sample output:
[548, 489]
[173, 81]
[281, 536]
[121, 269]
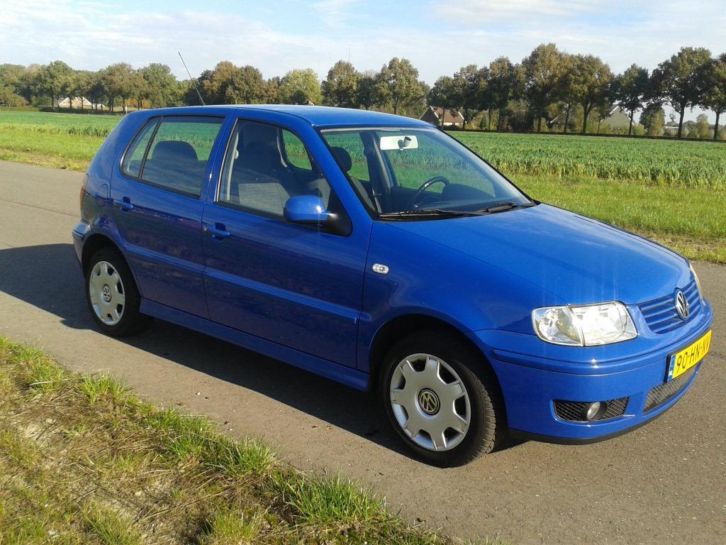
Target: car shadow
[48, 277]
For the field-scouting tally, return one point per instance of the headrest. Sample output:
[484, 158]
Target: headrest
[174, 150]
[254, 133]
[343, 157]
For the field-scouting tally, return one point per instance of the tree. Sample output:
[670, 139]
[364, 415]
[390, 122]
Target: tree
[54, 81]
[96, 90]
[590, 85]
[398, 85]
[682, 79]
[10, 84]
[340, 88]
[81, 82]
[502, 86]
[565, 88]
[715, 94]
[542, 72]
[300, 87]
[443, 95]
[118, 82]
[653, 119]
[162, 88]
[230, 84]
[630, 89]
[366, 94]
[702, 129]
[470, 91]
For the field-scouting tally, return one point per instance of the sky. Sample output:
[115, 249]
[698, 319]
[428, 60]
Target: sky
[438, 36]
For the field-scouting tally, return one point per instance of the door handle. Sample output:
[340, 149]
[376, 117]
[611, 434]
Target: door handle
[217, 231]
[124, 204]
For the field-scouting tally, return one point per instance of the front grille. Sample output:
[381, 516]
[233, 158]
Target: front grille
[661, 315]
[575, 411]
[660, 394]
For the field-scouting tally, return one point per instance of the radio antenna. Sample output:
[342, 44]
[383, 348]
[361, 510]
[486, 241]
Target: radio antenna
[194, 83]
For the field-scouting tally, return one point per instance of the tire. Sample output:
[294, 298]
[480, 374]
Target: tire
[425, 374]
[112, 295]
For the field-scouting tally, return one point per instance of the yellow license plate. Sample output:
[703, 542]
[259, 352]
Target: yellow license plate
[683, 360]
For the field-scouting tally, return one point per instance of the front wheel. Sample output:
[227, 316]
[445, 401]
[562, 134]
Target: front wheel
[112, 294]
[437, 402]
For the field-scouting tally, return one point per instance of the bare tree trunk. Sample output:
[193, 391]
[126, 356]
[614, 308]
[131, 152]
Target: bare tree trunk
[715, 127]
[630, 126]
[539, 123]
[680, 121]
[586, 114]
[567, 118]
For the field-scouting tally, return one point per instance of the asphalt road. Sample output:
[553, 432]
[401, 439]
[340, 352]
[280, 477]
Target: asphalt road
[663, 483]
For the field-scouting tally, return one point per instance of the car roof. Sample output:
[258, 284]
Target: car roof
[317, 116]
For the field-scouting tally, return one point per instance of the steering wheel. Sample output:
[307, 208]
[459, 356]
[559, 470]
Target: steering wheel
[417, 197]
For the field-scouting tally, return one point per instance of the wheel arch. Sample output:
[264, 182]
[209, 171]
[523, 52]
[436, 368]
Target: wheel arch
[402, 326]
[93, 244]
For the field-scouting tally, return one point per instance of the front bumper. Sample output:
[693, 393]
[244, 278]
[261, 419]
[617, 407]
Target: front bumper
[533, 374]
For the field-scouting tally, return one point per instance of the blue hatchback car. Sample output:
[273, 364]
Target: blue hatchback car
[379, 252]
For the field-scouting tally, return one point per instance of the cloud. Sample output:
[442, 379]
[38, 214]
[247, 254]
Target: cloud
[334, 13]
[470, 12]
[437, 36]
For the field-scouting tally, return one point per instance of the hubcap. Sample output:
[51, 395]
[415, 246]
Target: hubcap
[106, 289]
[430, 402]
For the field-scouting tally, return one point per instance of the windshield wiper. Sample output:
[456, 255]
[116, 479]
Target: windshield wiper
[504, 206]
[428, 213]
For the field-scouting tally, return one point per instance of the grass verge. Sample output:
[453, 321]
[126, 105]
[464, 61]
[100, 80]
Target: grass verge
[84, 461]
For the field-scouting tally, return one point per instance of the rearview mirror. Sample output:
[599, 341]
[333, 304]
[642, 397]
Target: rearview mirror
[307, 209]
[401, 142]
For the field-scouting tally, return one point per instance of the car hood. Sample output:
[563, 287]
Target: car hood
[572, 258]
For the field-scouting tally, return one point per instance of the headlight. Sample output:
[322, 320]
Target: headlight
[698, 282]
[588, 325]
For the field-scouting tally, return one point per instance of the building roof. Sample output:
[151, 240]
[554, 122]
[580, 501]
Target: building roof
[450, 115]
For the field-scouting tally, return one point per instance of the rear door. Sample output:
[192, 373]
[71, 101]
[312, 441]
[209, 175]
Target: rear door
[158, 210]
[296, 285]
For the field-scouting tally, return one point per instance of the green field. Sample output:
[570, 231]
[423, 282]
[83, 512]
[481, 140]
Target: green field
[672, 191]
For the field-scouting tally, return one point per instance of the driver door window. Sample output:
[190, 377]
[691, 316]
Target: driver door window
[265, 166]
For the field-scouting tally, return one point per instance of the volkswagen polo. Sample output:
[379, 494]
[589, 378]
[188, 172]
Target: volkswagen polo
[381, 253]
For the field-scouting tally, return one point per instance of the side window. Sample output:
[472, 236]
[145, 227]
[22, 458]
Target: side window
[295, 151]
[265, 166]
[134, 157]
[348, 150]
[178, 155]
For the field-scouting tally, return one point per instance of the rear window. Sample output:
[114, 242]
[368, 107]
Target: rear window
[173, 152]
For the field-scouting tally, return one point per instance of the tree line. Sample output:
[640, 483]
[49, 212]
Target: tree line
[549, 90]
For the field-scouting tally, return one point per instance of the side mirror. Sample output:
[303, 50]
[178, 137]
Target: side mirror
[307, 209]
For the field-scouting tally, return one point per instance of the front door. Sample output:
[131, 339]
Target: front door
[296, 285]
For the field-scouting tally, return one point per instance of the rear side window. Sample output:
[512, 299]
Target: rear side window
[134, 158]
[173, 153]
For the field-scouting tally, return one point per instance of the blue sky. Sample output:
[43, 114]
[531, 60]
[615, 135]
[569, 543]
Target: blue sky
[438, 36]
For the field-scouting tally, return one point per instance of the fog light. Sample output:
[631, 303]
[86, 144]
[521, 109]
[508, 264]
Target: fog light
[593, 410]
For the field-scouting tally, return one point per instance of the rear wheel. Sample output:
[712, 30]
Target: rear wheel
[112, 294]
[437, 402]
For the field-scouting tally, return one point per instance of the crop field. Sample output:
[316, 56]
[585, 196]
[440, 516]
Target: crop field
[665, 162]
[671, 191]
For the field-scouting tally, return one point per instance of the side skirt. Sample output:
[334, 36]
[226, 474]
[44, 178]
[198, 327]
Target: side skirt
[325, 368]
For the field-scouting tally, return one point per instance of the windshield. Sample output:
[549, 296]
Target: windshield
[419, 174]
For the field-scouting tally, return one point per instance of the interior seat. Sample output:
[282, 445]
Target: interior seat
[345, 162]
